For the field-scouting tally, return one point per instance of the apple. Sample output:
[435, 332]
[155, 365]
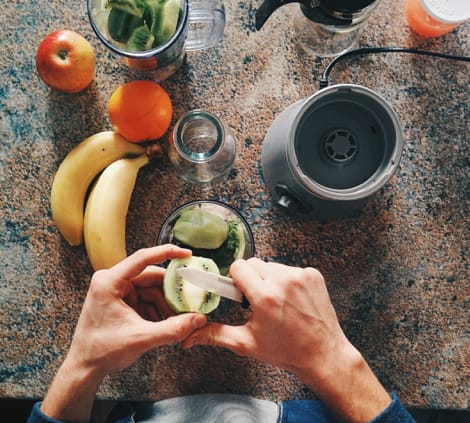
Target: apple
[65, 61]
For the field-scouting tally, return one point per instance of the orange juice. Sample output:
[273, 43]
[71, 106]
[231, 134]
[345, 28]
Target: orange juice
[432, 18]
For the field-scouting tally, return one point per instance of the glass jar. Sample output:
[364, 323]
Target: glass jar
[330, 33]
[202, 148]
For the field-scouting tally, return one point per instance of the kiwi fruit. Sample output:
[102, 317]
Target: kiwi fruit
[181, 295]
[133, 7]
[122, 24]
[198, 228]
[143, 24]
[168, 20]
[141, 39]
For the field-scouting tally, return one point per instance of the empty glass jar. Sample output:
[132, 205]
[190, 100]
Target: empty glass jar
[202, 148]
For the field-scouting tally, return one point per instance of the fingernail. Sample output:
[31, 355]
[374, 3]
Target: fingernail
[199, 320]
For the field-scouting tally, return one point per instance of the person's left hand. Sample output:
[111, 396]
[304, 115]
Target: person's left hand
[120, 320]
[125, 313]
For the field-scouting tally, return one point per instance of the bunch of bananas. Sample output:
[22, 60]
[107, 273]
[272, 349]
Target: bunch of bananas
[104, 165]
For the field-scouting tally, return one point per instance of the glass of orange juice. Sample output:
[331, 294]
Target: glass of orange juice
[433, 18]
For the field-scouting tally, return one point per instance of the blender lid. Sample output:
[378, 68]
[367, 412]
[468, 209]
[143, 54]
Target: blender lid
[448, 11]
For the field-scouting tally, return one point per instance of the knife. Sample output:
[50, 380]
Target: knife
[212, 282]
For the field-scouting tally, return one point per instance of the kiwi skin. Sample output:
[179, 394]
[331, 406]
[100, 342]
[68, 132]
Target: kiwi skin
[181, 295]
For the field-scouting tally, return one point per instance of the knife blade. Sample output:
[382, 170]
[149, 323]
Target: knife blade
[212, 282]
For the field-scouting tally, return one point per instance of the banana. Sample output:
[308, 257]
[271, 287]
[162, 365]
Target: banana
[105, 212]
[75, 174]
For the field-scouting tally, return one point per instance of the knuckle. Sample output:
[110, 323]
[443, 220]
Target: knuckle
[98, 280]
[314, 274]
[270, 300]
[236, 264]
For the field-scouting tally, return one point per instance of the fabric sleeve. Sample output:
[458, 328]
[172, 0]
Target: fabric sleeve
[308, 411]
[37, 416]
[394, 413]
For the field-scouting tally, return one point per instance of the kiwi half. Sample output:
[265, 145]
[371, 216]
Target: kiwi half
[181, 295]
[200, 229]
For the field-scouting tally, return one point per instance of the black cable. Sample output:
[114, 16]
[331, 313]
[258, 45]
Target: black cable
[370, 50]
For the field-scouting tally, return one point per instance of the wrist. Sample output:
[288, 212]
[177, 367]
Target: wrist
[348, 386]
[72, 392]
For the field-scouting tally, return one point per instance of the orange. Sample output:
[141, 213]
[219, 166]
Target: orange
[140, 110]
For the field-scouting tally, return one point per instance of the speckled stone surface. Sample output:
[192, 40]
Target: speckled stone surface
[398, 272]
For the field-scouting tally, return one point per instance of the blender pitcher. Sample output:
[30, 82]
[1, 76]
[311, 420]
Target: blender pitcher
[323, 27]
[200, 25]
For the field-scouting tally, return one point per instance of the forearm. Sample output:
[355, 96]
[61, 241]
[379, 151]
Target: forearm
[72, 392]
[349, 388]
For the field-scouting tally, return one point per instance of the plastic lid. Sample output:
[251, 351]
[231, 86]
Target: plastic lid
[448, 11]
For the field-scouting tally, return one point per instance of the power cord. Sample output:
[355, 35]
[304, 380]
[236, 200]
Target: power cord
[371, 50]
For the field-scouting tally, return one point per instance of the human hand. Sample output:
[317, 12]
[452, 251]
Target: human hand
[111, 334]
[125, 313]
[292, 322]
[293, 325]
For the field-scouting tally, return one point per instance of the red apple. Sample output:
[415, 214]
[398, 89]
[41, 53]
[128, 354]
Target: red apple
[66, 61]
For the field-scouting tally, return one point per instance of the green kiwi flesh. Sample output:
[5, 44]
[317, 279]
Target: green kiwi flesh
[141, 39]
[168, 20]
[200, 229]
[122, 24]
[181, 295]
[143, 24]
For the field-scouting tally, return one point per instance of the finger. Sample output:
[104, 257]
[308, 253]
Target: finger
[149, 312]
[131, 296]
[175, 328]
[135, 264]
[155, 297]
[268, 270]
[151, 276]
[247, 278]
[235, 338]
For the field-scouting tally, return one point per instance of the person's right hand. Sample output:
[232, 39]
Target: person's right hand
[293, 325]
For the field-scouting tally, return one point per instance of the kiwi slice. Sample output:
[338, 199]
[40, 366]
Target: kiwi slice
[133, 7]
[152, 14]
[122, 24]
[141, 39]
[183, 296]
[167, 21]
[200, 229]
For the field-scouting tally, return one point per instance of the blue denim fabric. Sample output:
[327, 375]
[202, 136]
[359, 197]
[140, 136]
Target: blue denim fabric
[313, 411]
[121, 414]
[294, 411]
[37, 416]
[305, 411]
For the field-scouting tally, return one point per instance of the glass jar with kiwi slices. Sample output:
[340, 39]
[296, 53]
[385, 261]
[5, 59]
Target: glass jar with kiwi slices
[217, 235]
[153, 35]
[210, 229]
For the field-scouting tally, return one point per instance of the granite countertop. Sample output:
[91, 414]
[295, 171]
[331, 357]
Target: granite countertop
[398, 272]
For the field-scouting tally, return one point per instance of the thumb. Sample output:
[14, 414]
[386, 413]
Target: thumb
[234, 338]
[176, 328]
